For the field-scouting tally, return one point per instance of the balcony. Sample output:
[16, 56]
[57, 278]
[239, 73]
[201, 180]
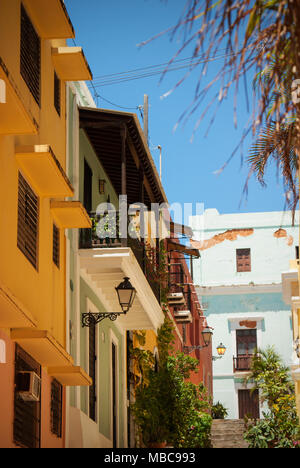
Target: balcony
[110, 238]
[106, 259]
[242, 363]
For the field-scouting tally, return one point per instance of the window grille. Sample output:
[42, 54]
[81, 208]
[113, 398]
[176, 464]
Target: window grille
[28, 220]
[30, 56]
[27, 414]
[56, 408]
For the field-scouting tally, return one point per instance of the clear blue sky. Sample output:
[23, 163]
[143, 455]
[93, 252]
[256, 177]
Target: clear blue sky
[109, 32]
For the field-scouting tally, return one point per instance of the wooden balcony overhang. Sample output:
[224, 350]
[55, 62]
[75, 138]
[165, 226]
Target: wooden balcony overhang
[172, 245]
[44, 171]
[51, 19]
[70, 214]
[70, 64]
[104, 269]
[70, 376]
[42, 346]
[106, 131]
[12, 312]
[15, 117]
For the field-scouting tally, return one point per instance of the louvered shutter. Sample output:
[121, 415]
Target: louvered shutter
[243, 260]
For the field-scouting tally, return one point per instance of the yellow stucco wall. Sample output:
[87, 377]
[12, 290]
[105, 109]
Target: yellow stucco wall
[41, 291]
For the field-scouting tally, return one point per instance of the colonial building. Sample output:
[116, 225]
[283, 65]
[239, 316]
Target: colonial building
[238, 279]
[35, 366]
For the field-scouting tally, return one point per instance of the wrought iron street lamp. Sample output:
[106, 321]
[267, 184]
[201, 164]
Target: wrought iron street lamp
[126, 294]
[221, 351]
[206, 334]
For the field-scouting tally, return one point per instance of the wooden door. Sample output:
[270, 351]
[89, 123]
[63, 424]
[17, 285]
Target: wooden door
[248, 404]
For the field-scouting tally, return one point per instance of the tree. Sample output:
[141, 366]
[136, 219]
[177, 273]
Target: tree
[280, 426]
[258, 39]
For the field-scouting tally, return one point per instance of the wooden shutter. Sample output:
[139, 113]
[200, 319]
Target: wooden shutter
[243, 260]
[92, 371]
[56, 245]
[30, 53]
[27, 414]
[56, 408]
[57, 93]
[28, 219]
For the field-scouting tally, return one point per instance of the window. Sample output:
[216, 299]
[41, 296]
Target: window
[30, 53]
[243, 260]
[28, 219]
[56, 408]
[27, 414]
[57, 93]
[56, 245]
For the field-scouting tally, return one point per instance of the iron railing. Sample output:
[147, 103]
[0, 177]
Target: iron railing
[105, 233]
[242, 363]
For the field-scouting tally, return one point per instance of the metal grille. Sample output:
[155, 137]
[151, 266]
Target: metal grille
[243, 260]
[56, 245]
[27, 414]
[30, 53]
[56, 408]
[57, 93]
[28, 218]
[92, 371]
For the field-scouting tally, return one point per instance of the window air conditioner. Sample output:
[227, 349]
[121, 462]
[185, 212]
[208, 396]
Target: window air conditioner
[28, 386]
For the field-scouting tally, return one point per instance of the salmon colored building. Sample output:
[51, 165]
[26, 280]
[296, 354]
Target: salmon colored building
[36, 207]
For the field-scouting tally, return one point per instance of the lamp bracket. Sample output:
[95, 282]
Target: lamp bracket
[91, 319]
[190, 349]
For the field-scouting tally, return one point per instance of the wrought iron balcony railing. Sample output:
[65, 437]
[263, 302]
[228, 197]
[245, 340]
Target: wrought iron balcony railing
[242, 362]
[105, 233]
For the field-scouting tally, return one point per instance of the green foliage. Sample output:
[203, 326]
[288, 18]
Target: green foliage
[280, 426]
[218, 411]
[167, 407]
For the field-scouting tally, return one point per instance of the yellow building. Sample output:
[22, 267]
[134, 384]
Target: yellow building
[36, 207]
[291, 295]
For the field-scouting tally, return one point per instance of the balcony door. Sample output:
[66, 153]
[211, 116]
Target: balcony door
[246, 343]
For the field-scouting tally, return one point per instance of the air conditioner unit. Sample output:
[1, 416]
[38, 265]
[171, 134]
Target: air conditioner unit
[183, 316]
[28, 386]
[176, 298]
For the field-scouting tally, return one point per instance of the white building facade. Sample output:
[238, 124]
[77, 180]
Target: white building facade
[238, 281]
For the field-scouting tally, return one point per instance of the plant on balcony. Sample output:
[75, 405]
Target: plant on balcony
[167, 407]
[280, 427]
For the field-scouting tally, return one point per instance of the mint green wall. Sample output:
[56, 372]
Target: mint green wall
[104, 366]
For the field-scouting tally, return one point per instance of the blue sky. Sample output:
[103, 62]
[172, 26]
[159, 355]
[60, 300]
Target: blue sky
[109, 33]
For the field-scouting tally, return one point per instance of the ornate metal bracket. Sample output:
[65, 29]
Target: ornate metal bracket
[91, 319]
[190, 349]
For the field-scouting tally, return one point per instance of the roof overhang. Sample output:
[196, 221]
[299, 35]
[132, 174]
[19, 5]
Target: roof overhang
[174, 246]
[51, 19]
[102, 128]
[104, 269]
[44, 171]
[70, 214]
[15, 118]
[70, 376]
[70, 64]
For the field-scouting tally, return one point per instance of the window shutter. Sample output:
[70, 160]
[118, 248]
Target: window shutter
[56, 408]
[56, 245]
[57, 93]
[28, 219]
[243, 260]
[30, 53]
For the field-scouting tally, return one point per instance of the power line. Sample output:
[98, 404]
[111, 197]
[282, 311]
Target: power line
[118, 78]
